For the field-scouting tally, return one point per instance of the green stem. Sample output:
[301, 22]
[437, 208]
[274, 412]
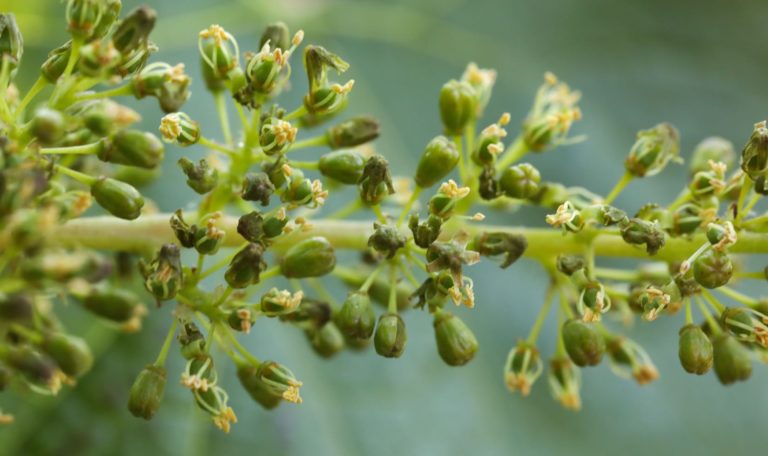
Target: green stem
[123, 90]
[203, 141]
[688, 312]
[76, 175]
[314, 166]
[221, 111]
[626, 178]
[239, 347]
[616, 274]
[376, 208]
[353, 206]
[371, 278]
[161, 357]
[707, 315]
[517, 150]
[39, 85]
[317, 141]
[392, 304]
[299, 112]
[681, 199]
[463, 173]
[85, 149]
[738, 297]
[542, 316]
[746, 186]
[414, 197]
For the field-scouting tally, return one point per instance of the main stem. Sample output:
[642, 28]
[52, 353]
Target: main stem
[110, 233]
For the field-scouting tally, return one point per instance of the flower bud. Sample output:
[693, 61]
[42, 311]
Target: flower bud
[354, 132]
[387, 239]
[256, 388]
[507, 245]
[390, 336]
[163, 276]
[257, 187]
[438, 160]
[169, 84]
[37, 368]
[134, 29]
[326, 340]
[638, 231]
[192, 341]
[754, 156]
[114, 304]
[56, 62]
[739, 322]
[280, 381]
[695, 350]
[715, 149]
[376, 181]
[456, 343]
[280, 302]
[426, 232]
[584, 344]
[133, 148]
[277, 36]
[118, 198]
[11, 41]
[98, 59]
[713, 269]
[520, 181]
[523, 368]
[84, 16]
[458, 105]
[209, 238]
[47, 125]
[276, 136]
[147, 392]
[246, 267]
[310, 314]
[179, 128]
[653, 149]
[345, 166]
[356, 319]
[565, 382]
[732, 360]
[16, 308]
[71, 354]
[201, 177]
[313, 257]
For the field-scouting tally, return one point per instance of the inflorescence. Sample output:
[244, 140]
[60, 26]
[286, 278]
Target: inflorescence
[78, 146]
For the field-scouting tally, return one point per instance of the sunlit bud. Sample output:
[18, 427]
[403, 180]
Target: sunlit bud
[376, 180]
[133, 31]
[246, 267]
[653, 149]
[639, 231]
[356, 319]
[179, 128]
[456, 343]
[732, 361]
[564, 383]
[437, 161]
[695, 350]
[201, 176]
[118, 305]
[523, 368]
[163, 275]
[509, 247]
[426, 232]
[482, 81]
[257, 187]
[345, 166]
[147, 392]
[628, 359]
[353, 132]
[11, 41]
[327, 340]
[280, 381]
[386, 239]
[118, 198]
[715, 149]
[313, 257]
[584, 344]
[713, 269]
[458, 106]
[133, 148]
[47, 126]
[390, 336]
[520, 181]
[70, 353]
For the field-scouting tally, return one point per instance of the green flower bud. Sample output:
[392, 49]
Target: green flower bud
[133, 31]
[732, 361]
[274, 225]
[16, 308]
[256, 388]
[438, 160]
[390, 337]
[209, 238]
[354, 132]
[276, 136]
[98, 59]
[257, 187]
[638, 231]
[754, 156]
[345, 166]
[458, 105]
[738, 321]
[520, 181]
[105, 117]
[277, 36]
[356, 318]
[299, 190]
[147, 392]
[114, 304]
[312, 257]
[201, 177]
[376, 181]
[84, 17]
[310, 314]
[695, 350]
[584, 344]
[109, 17]
[133, 148]
[327, 340]
[246, 267]
[37, 368]
[387, 239]
[71, 354]
[11, 41]
[118, 198]
[56, 62]
[163, 276]
[715, 149]
[280, 381]
[456, 343]
[653, 149]
[712, 269]
[506, 245]
[426, 232]
[47, 125]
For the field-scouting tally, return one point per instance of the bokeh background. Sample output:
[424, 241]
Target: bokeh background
[700, 65]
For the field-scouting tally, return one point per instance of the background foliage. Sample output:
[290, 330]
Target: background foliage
[700, 66]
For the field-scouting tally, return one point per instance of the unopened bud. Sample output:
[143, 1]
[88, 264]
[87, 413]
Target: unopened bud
[653, 149]
[345, 166]
[456, 343]
[147, 392]
[390, 336]
[520, 181]
[732, 361]
[133, 148]
[353, 132]
[356, 319]
[118, 198]
[695, 350]
[313, 257]
[438, 160]
[458, 105]
[584, 344]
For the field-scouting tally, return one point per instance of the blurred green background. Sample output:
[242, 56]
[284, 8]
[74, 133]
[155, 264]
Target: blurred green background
[700, 65]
